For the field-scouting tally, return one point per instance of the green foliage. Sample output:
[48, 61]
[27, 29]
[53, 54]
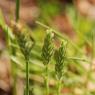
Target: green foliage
[77, 75]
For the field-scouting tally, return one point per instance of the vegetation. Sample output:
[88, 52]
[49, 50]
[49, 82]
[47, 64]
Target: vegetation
[50, 62]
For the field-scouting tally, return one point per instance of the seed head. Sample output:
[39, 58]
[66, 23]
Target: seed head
[24, 40]
[60, 58]
[48, 48]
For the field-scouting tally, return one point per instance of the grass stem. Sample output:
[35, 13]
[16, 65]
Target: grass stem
[47, 80]
[27, 77]
[58, 87]
[17, 10]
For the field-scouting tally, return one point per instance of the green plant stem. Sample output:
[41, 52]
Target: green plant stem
[46, 80]
[17, 10]
[27, 77]
[14, 70]
[14, 67]
[58, 87]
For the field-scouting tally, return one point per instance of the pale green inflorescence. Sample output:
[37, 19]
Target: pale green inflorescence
[48, 48]
[25, 45]
[60, 58]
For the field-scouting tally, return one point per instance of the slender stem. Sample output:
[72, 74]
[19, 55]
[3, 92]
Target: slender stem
[14, 67]
[17, 10]
[47, 80]
[14, 71]
[58, 87]
[27, 77]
